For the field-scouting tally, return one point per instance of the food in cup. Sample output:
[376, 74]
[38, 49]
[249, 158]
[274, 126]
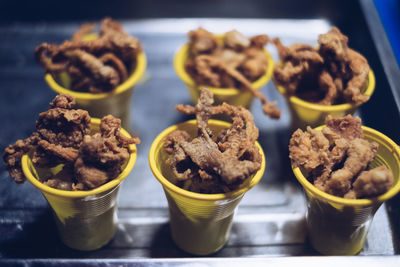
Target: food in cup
[235, 62]
[63, 136]
[94, 66]
[329, 74]
[212, 163]
[337, 159]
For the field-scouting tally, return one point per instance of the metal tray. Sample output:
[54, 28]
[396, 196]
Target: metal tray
[270, 219]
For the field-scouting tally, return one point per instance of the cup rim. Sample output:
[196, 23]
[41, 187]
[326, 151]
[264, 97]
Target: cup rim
[141, 63]
[179, 66]
[318, 107]
[192, 195]
[25, 162]
[353, 202]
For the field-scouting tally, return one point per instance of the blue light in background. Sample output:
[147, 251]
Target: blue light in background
[389, 12]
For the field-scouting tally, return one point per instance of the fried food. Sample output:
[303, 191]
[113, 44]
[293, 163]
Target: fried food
[337, 159]
[214, 164]
[59, 132]
[102, 155]
[235, 63]
[62, 136]
[373, 182]
[94, 66]
[331, 74]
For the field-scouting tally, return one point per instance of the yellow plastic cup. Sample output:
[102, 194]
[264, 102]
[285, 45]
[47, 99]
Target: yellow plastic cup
[200, 223]
[231, 96]
[339, 226]
[86, 220]
[116, 102]
[305, 113]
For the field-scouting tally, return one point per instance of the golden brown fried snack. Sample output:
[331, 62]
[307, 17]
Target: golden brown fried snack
[62, 137]
[102, 155]
[59, 132]
[337, 159]
[209, 164]
[94, 66]
[328, 75]
[373, 182]
[234, 64]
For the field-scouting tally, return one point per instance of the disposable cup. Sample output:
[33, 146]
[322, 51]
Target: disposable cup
[86, 220]
[232, 96]
[339, 226]
[199, 223]
[305, 113]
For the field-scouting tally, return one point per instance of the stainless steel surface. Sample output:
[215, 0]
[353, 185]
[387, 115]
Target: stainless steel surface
[369, 261]
[270, 219]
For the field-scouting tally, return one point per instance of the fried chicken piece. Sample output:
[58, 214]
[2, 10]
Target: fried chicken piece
[373, 182]
[103, 75]
[110, 128]
[59, 132]
[229, 159]
[355, 86]
[62, 137]
[334, 43]
[202, 41]
[113, 61]
[308, 149]
[345, 61]
[94, 66]
[359, 155]
[48, 154]
[12, 157]
[182, 167]
[90, 175]
[236, 40]
[210, 68]
[235, 64]
[62, 180]
[101, 156]
[327, 85]
[299, 61]
[255, 64]
[337, 157]
[328, 75]
[259, 41]
[347, 127]
[62, 126]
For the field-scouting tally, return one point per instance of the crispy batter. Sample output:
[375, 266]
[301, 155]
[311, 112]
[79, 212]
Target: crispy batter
[12, 157]
[62, 137]
[236, 41]
[359, 155]
[62, 180]
[101, 156]
[308, 149]
[328, 75]
[373, 182]
[94, 66]
[337, 159]
[61, 126]
[347, 127]
[234, 64]
[210, 164]
[102, 76]
[201, 41]
[59, 132]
